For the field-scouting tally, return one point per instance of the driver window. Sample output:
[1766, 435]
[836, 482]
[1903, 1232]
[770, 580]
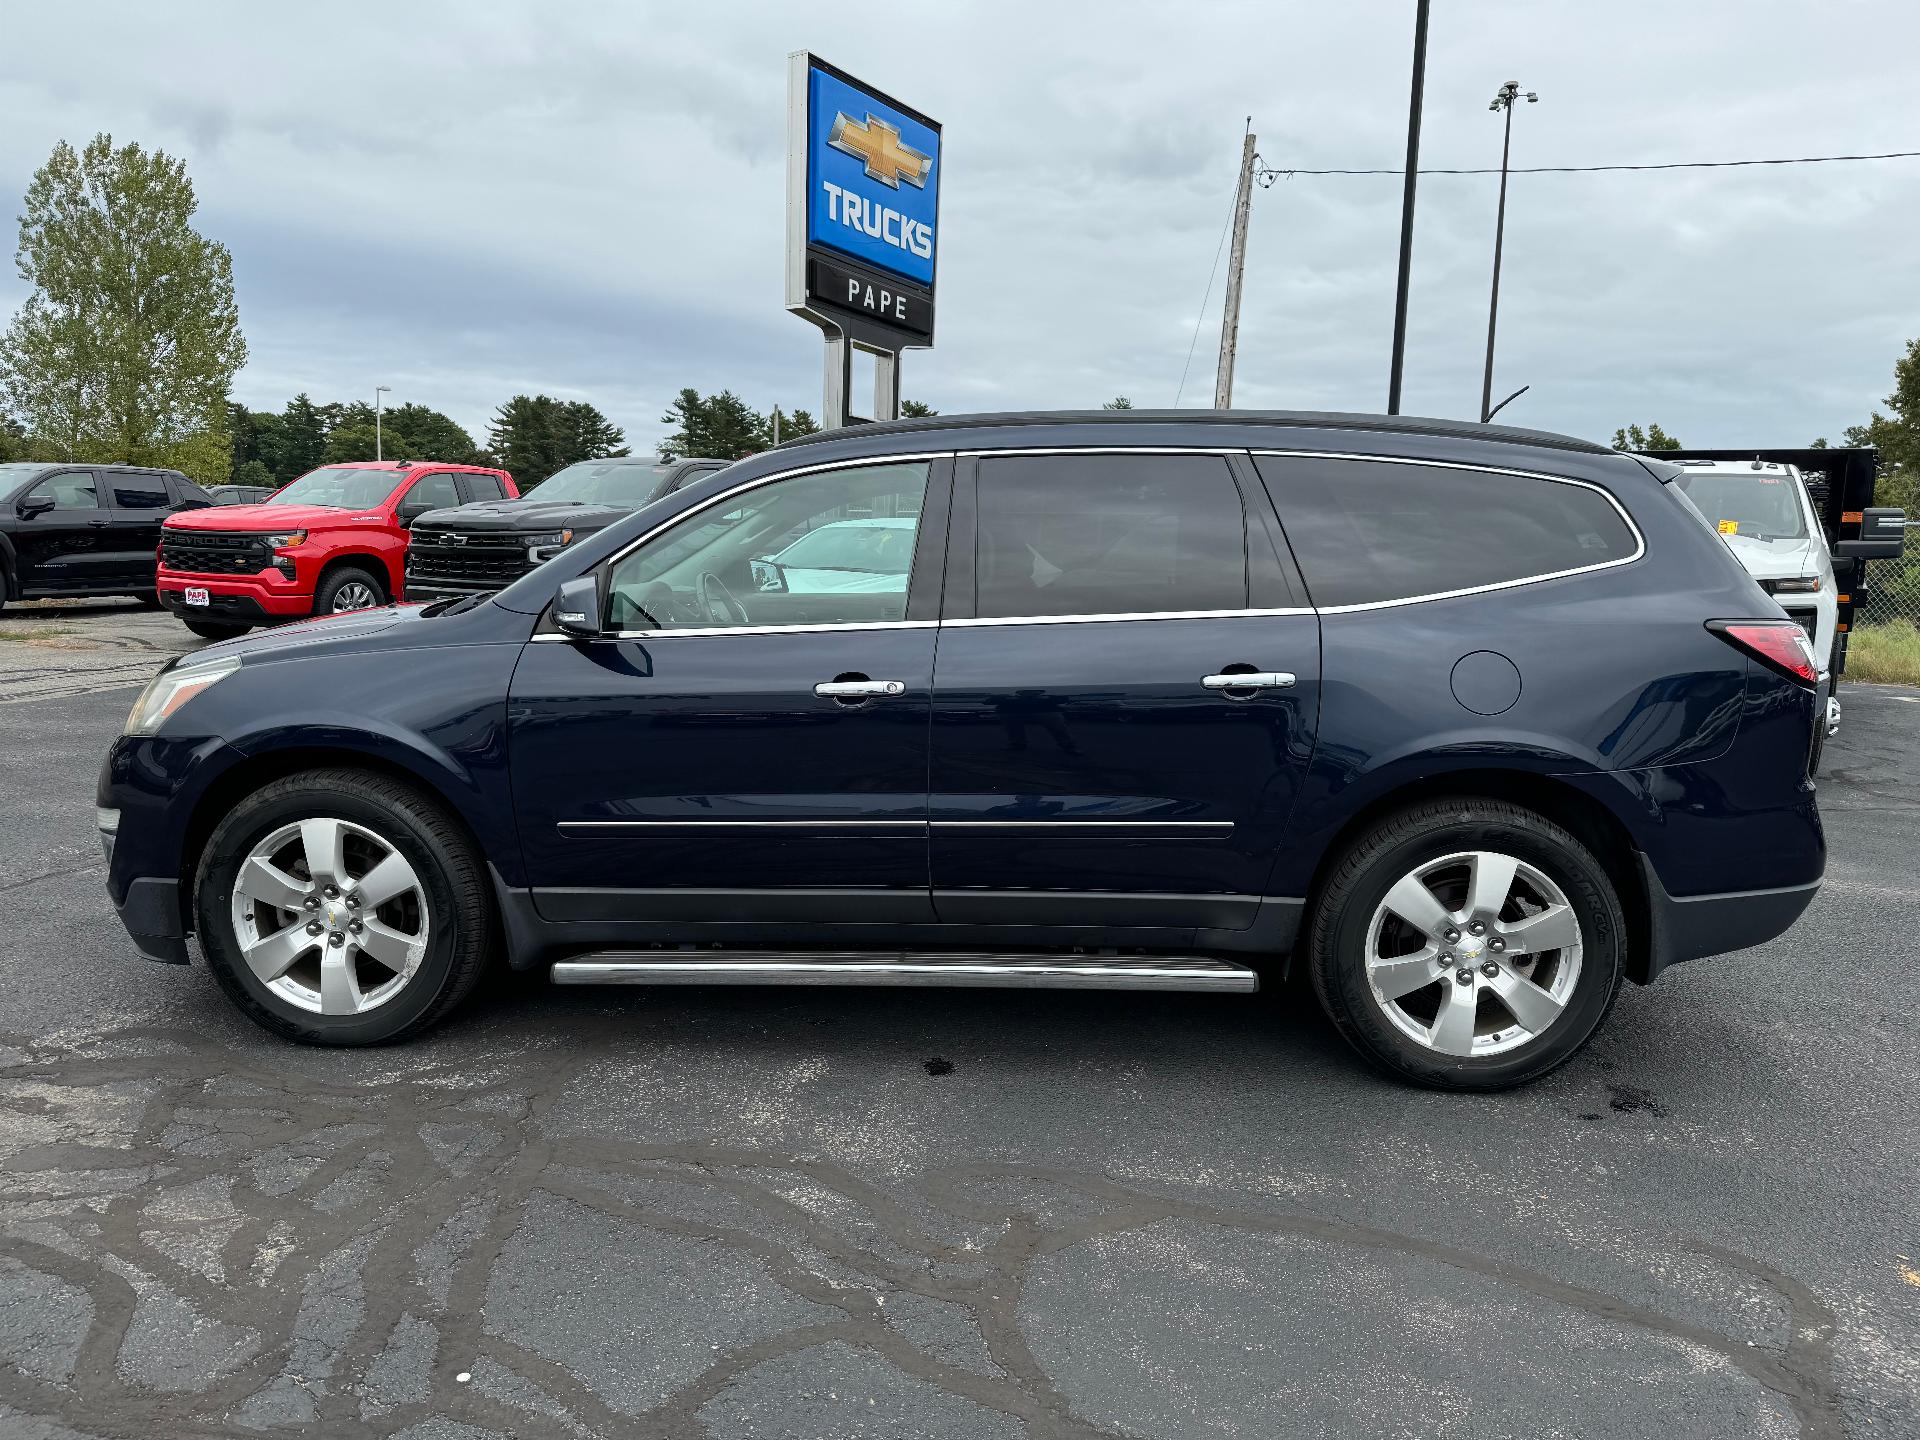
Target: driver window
[69, 490]
[835, 548]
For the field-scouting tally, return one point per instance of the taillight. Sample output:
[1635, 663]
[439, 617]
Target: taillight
[1778, 644]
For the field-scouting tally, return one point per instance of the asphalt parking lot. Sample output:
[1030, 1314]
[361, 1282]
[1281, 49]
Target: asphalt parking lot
[823, 1213]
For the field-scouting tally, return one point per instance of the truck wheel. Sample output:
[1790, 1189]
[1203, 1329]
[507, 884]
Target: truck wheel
[214, 629]
[1467, 944]
[3, 589]
[342, 908]
[349, 588]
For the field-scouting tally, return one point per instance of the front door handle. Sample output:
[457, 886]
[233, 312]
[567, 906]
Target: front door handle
[858, 689]
[99, 524]
[1249, 680]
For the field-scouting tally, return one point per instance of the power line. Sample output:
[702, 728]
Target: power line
[1268, 174]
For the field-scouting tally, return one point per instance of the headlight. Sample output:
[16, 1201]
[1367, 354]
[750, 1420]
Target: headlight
[548, 544]
[1799, 585]
[171, 689]
[285, 540]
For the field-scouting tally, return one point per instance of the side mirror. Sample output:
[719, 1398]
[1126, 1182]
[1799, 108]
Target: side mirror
[407, 514]
[1883, 536]
[576, 607]
[33, 505]
[769, 576]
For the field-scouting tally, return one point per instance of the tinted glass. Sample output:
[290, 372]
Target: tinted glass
[604, 482]
[344, 487]
[137, 492]
[1752, 502]
[432, 492]
[71, 490]
[1109, 534]
[1364, 530]
[736, 568]
[486, 487]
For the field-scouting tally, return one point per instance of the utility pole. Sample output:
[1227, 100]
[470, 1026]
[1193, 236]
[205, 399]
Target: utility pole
[378, 391]
[1406, 208]
[1236, 265]
[1503, 100]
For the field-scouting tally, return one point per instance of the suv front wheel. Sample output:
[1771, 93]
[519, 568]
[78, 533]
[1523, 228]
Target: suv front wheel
[342, 908]
[1467, 945]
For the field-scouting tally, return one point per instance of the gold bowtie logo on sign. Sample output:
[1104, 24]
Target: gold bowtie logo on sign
[878, 144]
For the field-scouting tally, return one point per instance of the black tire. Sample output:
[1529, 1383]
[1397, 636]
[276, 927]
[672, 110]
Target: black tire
[148, 599]
[5, 594]
[337, 580]
[214, 629]
[1357, 885]
[460, 936]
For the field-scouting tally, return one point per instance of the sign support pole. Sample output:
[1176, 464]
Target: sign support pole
[886, 385]
[836, 400]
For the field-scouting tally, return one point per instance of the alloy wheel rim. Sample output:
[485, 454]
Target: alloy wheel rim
[1476, 953]
[330, 917]
[353, 596]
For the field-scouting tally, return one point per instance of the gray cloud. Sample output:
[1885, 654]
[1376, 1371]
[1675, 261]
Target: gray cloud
[466, 201]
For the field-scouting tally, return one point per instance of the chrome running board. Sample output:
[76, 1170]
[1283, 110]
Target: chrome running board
[770, 967]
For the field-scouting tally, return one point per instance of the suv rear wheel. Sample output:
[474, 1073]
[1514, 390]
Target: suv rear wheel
[1467, 945]
[342, 908]
[349, 588]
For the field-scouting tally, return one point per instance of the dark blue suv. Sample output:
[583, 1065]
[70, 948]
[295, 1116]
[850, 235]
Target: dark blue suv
[1471, 721]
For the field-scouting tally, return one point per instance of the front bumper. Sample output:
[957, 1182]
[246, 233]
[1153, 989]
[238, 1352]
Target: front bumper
[232, 601]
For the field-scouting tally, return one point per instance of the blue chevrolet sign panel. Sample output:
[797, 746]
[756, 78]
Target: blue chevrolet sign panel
[873, 179]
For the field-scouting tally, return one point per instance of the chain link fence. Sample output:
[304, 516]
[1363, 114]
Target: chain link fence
[1885, 643]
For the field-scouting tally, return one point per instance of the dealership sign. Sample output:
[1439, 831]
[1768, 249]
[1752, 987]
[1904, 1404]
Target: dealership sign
[863, 209]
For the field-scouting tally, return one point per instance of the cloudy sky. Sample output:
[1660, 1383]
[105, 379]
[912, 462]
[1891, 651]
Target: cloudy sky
[468, 200]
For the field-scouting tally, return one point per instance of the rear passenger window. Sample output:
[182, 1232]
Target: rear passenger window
[137, 492]
[1365, 531]
[1108, 535]
[485, 487]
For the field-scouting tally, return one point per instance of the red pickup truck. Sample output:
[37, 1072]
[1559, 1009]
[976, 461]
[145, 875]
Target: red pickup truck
[334, 540]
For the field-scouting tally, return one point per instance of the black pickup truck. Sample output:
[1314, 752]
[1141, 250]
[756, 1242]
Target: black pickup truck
[471, 549]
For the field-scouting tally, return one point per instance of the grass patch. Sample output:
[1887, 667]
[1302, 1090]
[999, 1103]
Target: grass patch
[36, 634]
[1885, 654]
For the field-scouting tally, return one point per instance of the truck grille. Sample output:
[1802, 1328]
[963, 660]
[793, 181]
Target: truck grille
[196, 552]
[455, 562]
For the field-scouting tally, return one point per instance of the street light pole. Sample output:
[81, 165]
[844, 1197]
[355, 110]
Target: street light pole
[1398, 361]
[378, 391]
[1509, 92]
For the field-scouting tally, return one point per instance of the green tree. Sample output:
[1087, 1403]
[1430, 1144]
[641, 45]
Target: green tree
[1118, 402]
[258, 438]
[723, 426]
[13, 439]
[303, 439]
[1651, 438]
[1897, 435]
[790, 425]
[127, 346]
[252, 472]
[915, 410]
[407, 432]
[533, 436]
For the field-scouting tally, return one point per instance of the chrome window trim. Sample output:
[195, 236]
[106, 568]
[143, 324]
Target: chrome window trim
[1639, 539]
[706, 631]
[976, 621]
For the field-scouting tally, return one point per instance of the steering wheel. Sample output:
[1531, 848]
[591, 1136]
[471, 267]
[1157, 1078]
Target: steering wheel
[717, 602]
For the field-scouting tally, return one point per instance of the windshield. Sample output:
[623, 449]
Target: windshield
[344, 487]
[602, 482]
[872, 549]
[1752, 503]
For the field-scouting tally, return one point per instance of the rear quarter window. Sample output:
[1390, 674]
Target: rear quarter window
[1372, 531]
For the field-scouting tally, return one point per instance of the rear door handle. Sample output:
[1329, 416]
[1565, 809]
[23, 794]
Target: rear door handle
[1249, 680]
[858, 689]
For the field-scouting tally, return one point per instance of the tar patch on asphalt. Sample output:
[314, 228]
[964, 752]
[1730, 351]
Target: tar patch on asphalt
[937, 1066]
[1631, 1100]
